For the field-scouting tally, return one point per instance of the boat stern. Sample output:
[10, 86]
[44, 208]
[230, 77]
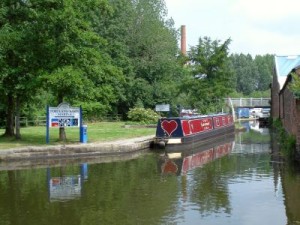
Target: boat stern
[168, 131]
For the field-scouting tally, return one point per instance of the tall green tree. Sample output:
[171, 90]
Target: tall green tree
[253, 75]
[17, 58]
[116, 28]
[52, 43]
[156, 56]
[246, 72]
[102, 54]
[143, 42]
[79, 70]
[212, 78]
[265, 66]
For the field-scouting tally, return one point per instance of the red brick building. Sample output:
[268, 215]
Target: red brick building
[285, 105]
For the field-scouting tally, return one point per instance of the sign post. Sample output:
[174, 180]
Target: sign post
[81, 123]
[163, 108]
[63, 116]
[47, 127]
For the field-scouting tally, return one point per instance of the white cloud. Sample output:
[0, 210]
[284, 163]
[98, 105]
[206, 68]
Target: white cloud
[256, 26]
[266, 9]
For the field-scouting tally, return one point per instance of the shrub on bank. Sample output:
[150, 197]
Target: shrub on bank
[287, 142]
[143, 116]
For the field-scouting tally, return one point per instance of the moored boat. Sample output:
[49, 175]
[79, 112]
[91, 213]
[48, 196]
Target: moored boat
[192, 130]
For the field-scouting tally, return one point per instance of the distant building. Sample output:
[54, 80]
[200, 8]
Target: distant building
[283, 67]
[285, 105]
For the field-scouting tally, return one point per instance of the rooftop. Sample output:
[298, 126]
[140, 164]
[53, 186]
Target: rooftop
[284, 65]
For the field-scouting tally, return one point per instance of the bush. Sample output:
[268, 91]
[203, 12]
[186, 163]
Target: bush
[143, 116]
[287, 142]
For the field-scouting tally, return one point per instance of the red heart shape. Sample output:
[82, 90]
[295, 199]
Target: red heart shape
[169, 167]
[169, 126]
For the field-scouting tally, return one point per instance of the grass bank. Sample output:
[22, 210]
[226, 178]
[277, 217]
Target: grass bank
[96, 132]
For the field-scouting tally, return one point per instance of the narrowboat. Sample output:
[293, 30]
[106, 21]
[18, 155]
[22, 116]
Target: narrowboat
[190, 131]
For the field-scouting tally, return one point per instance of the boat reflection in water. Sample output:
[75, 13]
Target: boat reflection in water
[180, 162]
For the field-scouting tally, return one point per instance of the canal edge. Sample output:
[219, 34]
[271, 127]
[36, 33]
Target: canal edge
[77, 150]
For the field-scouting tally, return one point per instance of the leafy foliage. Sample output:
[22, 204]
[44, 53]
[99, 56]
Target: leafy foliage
[252, 75]
[143, 116]
[19, 57]
[294, 86]
[287, 142]
[211, 78]
[110, 56]
[52, 44]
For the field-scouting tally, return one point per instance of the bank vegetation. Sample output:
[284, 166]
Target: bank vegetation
[110, 57]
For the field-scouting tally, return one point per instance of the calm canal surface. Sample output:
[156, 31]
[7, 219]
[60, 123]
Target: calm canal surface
[238, 181]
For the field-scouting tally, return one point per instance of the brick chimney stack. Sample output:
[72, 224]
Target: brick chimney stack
[183, 40]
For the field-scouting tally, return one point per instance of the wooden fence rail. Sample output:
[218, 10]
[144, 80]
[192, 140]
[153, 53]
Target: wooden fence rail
[41, 120]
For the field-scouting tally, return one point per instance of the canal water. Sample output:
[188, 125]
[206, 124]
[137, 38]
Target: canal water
[237, 180]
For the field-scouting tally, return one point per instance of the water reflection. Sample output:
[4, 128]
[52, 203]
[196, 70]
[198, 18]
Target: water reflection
[181, 162]
[24, 164]
[291, 189]
[261, 127]
[256, 139]
[66, 187]
[234, 181]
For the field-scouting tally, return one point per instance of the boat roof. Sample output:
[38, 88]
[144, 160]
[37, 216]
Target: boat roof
[198, 116]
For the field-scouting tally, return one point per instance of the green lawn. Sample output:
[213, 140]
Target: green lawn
[102, 131]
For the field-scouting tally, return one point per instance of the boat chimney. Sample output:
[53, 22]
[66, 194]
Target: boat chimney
[183, 39]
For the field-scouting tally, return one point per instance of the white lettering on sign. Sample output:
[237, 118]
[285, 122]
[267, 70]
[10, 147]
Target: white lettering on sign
[204, 124]
[63, 112]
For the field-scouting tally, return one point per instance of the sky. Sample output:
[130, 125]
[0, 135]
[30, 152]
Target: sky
[257, 27]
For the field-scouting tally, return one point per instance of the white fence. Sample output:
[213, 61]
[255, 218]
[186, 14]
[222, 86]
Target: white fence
[249, 102]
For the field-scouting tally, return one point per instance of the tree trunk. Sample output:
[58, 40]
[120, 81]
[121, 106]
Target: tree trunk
[62, 131]
[18, 130]
[62, 134]
[9, 128]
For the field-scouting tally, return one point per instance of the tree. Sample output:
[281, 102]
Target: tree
[143, 43]
[17, 60]
[246, 73]
[116, 27]
[79, 70]
[253, 75]
[211, 79]
[294, 86]
[52, 43]
[101, 54]
[265, 67]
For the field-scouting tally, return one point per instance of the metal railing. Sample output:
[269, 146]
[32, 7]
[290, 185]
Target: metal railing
[249, 102]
